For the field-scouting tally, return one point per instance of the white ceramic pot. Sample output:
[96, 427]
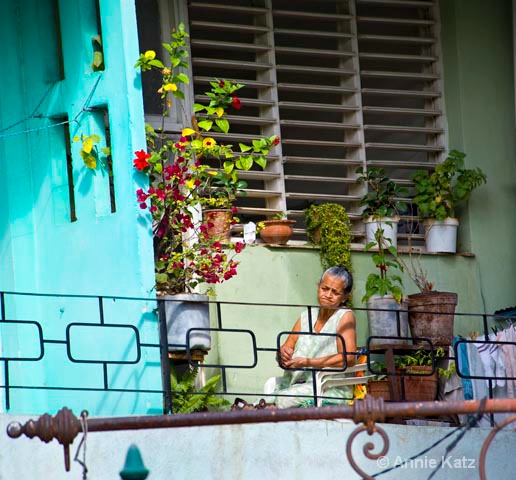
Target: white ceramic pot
[182, 312]
[382, 314]
[441, 236]
[389, 225]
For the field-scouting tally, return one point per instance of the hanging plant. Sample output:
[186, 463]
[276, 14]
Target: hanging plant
[328, 226]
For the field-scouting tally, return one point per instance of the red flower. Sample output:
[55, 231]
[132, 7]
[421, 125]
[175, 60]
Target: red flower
[140, 162]
[239, 246]
[221, 84]
[276, 141]
[236, 103]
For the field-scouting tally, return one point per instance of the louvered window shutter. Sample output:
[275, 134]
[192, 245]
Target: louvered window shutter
[343, 83]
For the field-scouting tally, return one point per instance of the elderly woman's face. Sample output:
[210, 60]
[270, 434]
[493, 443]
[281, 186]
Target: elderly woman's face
[331, 292]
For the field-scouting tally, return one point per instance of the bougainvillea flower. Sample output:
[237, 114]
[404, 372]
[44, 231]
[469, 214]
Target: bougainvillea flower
[140, 162]
[236, 103]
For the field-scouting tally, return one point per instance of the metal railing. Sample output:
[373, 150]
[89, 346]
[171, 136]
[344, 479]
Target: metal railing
[64, 334]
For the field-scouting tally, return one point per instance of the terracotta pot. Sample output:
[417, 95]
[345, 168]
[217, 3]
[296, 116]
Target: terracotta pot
[221, 220]
[277, 231]
[420, 387]
[431, 315]
[379, 389]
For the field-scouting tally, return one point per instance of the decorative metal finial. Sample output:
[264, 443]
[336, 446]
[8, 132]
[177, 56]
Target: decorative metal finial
[134, 469]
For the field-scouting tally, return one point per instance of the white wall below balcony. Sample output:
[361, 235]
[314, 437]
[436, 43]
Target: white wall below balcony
[292, 450]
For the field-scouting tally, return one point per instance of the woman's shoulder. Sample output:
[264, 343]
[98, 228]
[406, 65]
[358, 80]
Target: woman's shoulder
[306, 314]
[344, 311]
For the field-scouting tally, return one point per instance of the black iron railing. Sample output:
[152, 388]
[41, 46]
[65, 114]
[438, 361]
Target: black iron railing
[47, 333]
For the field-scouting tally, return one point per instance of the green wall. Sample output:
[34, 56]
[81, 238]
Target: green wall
[479, 94]
[479, 101]
[284, 281]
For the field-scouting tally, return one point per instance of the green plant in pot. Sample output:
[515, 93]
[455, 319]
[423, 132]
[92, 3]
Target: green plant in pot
[186, 398]
[418, 372]
[382, 203]
[178, 178]
[328, 226]
[437, 195]
[387, 308]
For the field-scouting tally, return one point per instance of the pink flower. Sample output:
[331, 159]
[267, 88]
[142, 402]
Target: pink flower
[239, 246]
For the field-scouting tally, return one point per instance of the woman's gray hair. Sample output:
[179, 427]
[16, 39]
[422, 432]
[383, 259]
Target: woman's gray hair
[342, 273]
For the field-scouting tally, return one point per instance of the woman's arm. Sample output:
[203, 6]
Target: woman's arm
[287, 349]
[347, 329]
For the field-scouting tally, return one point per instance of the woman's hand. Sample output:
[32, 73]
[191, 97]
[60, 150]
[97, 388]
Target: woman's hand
[298, 362]
[286, 353]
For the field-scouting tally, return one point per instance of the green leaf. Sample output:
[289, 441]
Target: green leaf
[198, 107]
[156, 63]
[228, 167]
[223, 124]
[205, 125]
[246, 162]
[261, 161]
[244, 148]
[182, 77]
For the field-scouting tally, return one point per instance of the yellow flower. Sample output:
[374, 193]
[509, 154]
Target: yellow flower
[170, 87]
[150, 54]
[219, 111]
[187, 132]
[190, 184]
[209, 142]
[87, 145]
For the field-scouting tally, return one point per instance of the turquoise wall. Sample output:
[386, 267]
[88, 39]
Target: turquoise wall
[42, 250]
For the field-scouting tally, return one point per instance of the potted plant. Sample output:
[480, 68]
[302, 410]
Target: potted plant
[187, 398]
[277, 230]
[431, 313]
[328, 226]
[382, 203]
[180, 185]
[386, 306]
[437, 195]
[419, 374]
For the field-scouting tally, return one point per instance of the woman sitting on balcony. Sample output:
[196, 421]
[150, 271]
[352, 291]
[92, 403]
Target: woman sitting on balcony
[319, 351]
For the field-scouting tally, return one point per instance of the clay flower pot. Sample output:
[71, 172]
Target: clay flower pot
[277, 231]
